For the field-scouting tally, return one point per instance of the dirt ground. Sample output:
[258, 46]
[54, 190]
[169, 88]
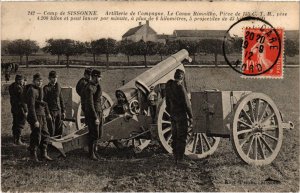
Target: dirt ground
[153, 169]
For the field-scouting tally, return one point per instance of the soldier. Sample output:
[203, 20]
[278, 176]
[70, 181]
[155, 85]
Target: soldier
[53, 97]
[93, 111]
[18, 108]
[7, 72]
[37, 112]
[16, 67]
[179, 108]
[81, 85]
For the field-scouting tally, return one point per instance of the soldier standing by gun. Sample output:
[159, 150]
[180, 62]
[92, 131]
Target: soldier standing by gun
[93, 111]
[53, 97]
[37, 112]
[179, 108]
[81, 85]
[18, 108]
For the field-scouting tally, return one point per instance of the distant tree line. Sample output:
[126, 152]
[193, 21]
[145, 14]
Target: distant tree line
[108, 47]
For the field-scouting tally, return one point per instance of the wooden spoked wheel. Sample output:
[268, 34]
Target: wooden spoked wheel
[106, 105]
[137, 144]
[199, 145]
[164, 128]
[257, 129]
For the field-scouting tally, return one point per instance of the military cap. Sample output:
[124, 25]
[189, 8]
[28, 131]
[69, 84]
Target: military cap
[96, 73]
[179, 74]
[88, 71]
[19, 77]
[52, 74]
[37, 76]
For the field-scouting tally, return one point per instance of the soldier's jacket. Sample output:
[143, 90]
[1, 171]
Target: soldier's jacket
[80, 86]
[17, 101]
[92, 96]
[54, 98]
[177, 101]
[35, 103]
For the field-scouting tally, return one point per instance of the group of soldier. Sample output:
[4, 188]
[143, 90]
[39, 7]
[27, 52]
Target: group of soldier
[44, 110]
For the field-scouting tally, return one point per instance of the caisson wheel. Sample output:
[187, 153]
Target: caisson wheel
[256, 129]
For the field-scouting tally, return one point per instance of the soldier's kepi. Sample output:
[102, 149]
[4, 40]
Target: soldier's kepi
[179, 107]
[93, 111]
[37, 112]
[53, 97]
[18, 108]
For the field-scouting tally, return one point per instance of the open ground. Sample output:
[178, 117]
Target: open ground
[153, 170]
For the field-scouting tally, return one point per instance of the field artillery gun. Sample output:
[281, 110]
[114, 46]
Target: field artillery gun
[251, 120]
[128, 121]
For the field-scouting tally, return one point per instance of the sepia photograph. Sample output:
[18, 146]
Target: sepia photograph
[150, 96]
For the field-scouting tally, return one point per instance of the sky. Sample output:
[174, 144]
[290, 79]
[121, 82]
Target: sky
[16, 22]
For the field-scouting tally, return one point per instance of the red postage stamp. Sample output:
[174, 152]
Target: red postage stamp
[263, 52]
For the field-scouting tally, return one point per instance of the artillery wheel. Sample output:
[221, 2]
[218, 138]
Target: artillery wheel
[257, 131]
[199, 145]
[106, 105]
[137, 144]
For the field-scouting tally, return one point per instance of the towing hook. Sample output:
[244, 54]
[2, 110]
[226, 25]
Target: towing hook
[289, 125]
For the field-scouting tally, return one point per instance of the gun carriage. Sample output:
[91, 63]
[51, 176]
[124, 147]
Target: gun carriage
[251, 120]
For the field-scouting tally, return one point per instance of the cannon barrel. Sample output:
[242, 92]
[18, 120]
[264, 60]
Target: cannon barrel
[157, 74]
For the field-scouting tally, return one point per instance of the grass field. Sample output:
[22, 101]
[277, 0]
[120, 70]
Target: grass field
[152, 170]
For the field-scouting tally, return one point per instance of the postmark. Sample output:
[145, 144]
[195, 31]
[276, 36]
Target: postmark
[261, 48]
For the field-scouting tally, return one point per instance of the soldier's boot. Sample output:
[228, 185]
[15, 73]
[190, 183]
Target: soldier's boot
[45, 155]
[175, 156]
[175, 160]
[18, 141]
[183, 163]
[96, 150]
[33, 155]
[92, 152]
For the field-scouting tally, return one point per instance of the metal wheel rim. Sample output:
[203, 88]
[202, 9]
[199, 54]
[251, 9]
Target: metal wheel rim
[263, 119]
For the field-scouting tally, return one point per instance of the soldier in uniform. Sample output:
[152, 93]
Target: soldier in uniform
[179, 107]
[53, 97]
[37, 113]
[7, 72]
[81, 85]
[18, 108]
[93, 111]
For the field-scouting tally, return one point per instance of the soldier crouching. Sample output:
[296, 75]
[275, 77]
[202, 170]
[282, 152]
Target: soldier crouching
[93, 111]
[37, 112]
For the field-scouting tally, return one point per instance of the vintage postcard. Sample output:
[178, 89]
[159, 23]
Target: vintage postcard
[148, 96]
